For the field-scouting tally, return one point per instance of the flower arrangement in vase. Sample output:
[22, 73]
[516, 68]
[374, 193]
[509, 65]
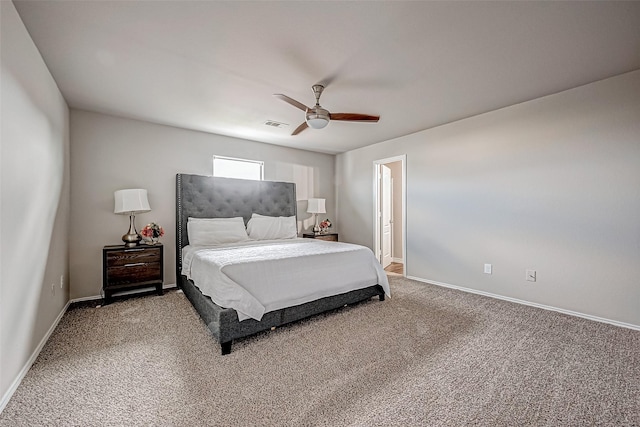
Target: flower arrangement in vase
[151, 233]
[324, 226]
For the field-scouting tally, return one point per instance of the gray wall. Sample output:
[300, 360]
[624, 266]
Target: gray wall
[110, 153]
[552, 185]
[34, 203]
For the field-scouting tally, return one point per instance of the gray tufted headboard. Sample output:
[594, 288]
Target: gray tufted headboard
[208, 197]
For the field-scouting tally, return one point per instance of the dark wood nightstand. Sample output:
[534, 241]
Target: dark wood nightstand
[129, 268]
[331, 237]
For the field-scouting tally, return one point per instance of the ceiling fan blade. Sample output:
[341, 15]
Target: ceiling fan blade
[354, 117]
[291, 101]
[300, 128]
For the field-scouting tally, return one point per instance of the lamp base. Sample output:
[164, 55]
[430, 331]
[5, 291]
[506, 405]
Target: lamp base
[131, 240]
[316, 227]
[132, 237]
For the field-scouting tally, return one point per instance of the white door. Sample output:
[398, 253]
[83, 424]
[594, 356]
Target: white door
[386, 220]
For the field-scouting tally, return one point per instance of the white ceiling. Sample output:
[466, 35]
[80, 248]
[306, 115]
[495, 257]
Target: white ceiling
[214, 66]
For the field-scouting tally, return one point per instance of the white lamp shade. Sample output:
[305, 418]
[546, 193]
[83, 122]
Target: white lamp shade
[131, 201]
[316, 206]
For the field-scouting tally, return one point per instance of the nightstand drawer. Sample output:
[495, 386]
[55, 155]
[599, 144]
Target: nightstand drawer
[132, 256]
[134, 273]
[330, 237]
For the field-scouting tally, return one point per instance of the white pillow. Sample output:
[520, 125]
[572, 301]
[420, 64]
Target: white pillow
[235, 219]
[215, 231]
[262, 227]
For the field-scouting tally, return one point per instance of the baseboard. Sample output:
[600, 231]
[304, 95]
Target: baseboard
[398, 260]
[132, 291]
[85, 299]
[14, 386]
[532, 304]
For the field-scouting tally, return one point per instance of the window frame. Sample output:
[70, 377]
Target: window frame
[237, 159]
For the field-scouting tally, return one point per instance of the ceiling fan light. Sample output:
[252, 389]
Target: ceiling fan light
[317, 122]
[317, 117]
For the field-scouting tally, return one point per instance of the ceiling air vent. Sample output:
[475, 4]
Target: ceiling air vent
[275, 124]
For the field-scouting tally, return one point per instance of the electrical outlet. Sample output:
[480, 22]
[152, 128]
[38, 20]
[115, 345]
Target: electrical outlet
[61, 281]
[53, 289]
[487, 268]
[531, 275]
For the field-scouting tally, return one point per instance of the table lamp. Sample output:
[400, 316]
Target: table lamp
[130, 202]
[315, 207]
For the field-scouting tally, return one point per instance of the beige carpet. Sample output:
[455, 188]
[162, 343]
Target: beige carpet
[428, 356]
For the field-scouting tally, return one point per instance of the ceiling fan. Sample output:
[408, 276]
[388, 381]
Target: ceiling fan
[317, 117]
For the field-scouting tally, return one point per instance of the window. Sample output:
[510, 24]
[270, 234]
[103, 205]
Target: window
[228, 167]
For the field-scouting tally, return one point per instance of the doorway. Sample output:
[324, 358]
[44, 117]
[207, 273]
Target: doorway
[389, 213]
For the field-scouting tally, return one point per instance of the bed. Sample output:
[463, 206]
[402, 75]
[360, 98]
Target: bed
[201, 197]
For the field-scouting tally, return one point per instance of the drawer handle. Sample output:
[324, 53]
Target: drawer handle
[135, 264]
[133, 250]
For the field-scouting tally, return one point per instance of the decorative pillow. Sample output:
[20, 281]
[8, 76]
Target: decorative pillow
[215, 231]
[262, 227]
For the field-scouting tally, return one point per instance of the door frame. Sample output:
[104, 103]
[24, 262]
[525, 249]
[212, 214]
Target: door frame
[377, 250]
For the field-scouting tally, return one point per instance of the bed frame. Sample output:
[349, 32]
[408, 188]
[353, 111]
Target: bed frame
[209, 197]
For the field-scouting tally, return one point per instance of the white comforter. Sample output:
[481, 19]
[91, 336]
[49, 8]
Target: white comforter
[260, 276]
